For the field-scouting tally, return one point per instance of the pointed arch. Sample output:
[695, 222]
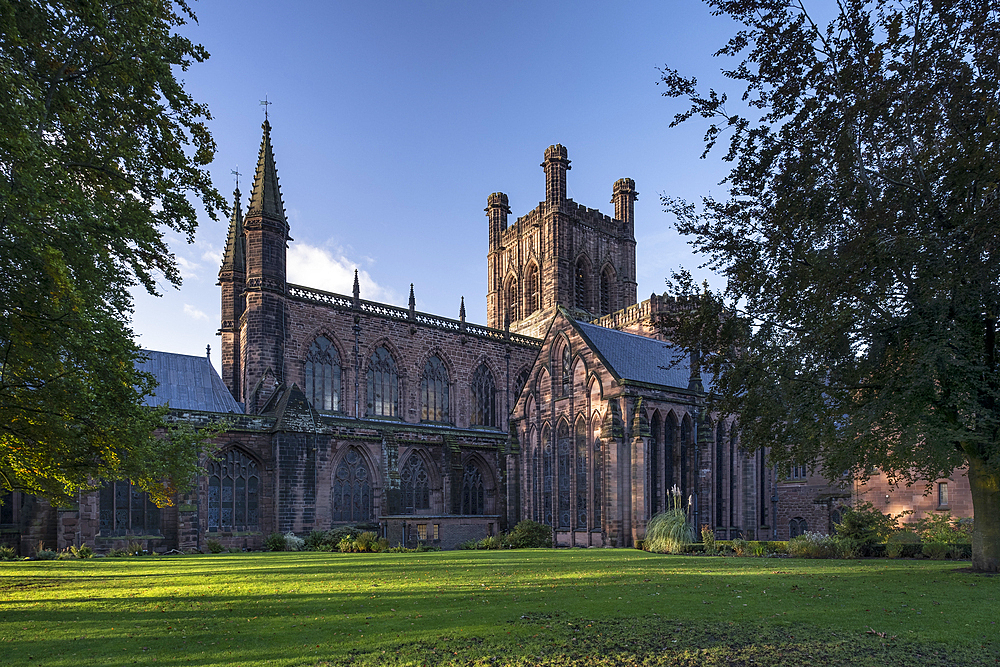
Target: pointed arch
[521, 380]
[434, 391]
[580, 377]
[598, 457]
[233, 501]
[596, 390]
[477, 486]
[383, 384]
[564, 446]
[608, 300]
[582, 468]
[532, 294]
[485, 398]
[415, 483]
[533, 491]
[581, 283]
[670, 428]
[543, 383]
[512, 308]
[353, 488]
[720, 472]
[687, 446]
[321, 374]
[530, 407]
[547, 474]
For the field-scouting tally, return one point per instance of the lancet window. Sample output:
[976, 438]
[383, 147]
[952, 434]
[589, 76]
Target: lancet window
[531, 290]
[564, 446]
[473, 491]
[581, 474]
[415, 485]
[127, 510]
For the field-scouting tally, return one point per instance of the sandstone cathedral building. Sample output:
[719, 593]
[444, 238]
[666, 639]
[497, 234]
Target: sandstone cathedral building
[570, 407]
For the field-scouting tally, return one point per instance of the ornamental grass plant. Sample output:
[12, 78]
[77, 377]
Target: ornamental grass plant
[670, 531]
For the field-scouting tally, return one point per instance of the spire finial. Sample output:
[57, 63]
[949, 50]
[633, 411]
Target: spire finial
[264, 103]
[461, 314]
[357, 288]
[208, 353]
[237, 174]
[413, 304]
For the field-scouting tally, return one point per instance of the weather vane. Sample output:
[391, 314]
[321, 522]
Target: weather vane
[264, 103]
[236, 173]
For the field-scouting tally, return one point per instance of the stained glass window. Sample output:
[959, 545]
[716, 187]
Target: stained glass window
[415, 485]
[484, 398]
[546, 477]
[473, 491]
[567, 373]
[233, 493]
[580, 284]
[322, 375]
[531, 290]
[352, 489]
[127, 510]
[383, 385]
[598, 482]
[513, 311]
[606, 281]
[434, 391]
[796, 527]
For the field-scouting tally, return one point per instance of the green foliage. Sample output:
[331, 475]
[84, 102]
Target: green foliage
[903, 544]
[7, 552]
[936, 550]
[866, 524]
[469, 545]
[858, 324]
[490, 542]
[275, 542]
[100, 147]
[83, 551]
[943, 528]
[214, 546]
[670, 531]
[818, 545]
[708, 539]
[529, 535]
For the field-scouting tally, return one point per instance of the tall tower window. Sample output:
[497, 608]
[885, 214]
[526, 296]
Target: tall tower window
[531, 290]
[484, 398]
[606, 282]
[322, 375]
[383, 385]
[580, 285]
[434, 391]
[513, 311]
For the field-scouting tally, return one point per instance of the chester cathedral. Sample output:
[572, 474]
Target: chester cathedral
[569, 407]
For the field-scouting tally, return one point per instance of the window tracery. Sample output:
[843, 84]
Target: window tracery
[473, 490]
[531, 290]
[322, 375]
[233, 492]
[415, 485]
[434, 391]
[127, 510]
[383, 385]
[581, 474]
[564, 445]
[484, 398]
[352, 489]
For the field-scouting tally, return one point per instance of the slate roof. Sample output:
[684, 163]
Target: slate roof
[640, 359]
[187, 383]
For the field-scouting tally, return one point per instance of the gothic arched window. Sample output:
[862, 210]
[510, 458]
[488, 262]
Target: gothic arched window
[796, 527]
[127, 510]
[581, 474]
[352, 489]
[233, 492]
[686, 447]
[598, 477]
[564, 446]
[484, 398]
[656, 437]
[415, 485]
[513, 312]
[606, 282]
[383, 385]
[322, 375]
[521, 380]
[531, 290]
[580, 284]
[434, 391]
[567, 373]
[473, 491]
[546, 477]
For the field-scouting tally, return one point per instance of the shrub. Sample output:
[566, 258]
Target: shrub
[83, 551]
[347, 545]
[366, 542]
[739, 546]
[943, 529]
[936, 550]
[866, 524]
[669, 531]
[7, 553]
[903, 544]
[293, 543]
[45, 554]
[490, 542]
[469, 545]
[117, 553]
[214, 546]
[134, 548]
[818, 545]
[275, 542]
[530, 535]
[708, 538]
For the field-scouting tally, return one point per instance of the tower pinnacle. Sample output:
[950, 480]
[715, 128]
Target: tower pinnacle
[265, 199]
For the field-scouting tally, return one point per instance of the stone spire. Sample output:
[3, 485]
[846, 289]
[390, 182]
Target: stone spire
[357, 289]
[235, 256]
[265, 199]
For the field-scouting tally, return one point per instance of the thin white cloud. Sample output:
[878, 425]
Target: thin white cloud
[188, 268]
[312, 266]
[194, 313]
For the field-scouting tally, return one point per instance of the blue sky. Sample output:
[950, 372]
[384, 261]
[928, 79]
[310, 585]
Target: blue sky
[393, 122]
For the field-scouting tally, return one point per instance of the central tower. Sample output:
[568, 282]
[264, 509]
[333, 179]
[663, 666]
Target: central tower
[559, 254]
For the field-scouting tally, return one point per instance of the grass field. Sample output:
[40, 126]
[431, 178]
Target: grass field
[557, 607]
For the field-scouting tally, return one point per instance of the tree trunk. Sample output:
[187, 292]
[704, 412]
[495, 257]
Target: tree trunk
[984, 480]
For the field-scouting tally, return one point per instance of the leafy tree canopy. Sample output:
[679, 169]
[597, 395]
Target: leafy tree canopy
[858, 240]
[100, 149]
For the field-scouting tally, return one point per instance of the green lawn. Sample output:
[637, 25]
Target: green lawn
[559, 607]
